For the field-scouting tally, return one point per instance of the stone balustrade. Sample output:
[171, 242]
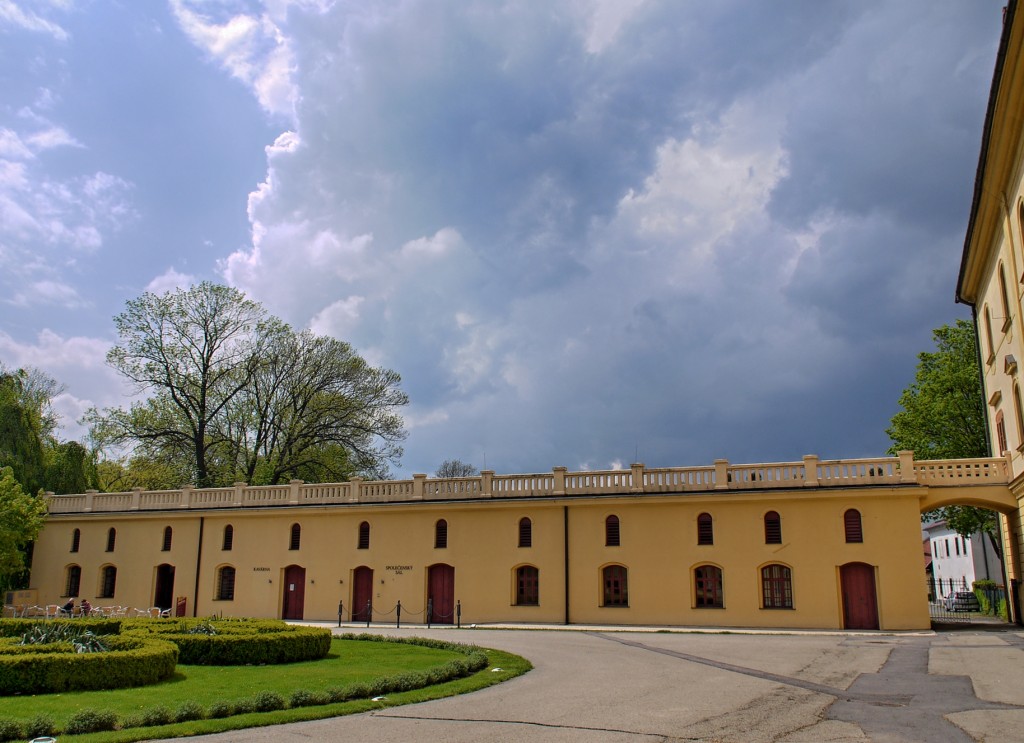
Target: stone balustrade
[811, 472]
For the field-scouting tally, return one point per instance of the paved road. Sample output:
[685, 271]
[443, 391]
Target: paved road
[605, 687]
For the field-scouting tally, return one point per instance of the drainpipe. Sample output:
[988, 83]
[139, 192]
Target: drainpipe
[199, 561]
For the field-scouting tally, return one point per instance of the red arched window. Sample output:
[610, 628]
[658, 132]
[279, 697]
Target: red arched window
[364, 536]
[616, 587]
[527, 586]
[296, 537]
[777, 587]
[707, 579]
[772, 528]
[611, 531]
[441, 534]
[852, 526]
[705, 529]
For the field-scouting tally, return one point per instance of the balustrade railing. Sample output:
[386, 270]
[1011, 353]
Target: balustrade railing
[811, 472]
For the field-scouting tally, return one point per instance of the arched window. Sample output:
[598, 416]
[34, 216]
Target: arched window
[167, 539]
[705, 529]
[527, 586]
[296, 537]
[441, 534]
[229, 538]
[108, 581]
[73, 584]
[991, 350]
[707, 579]
[76, 539]
[772, 528]
[777, 587]
[852, 526]
[111, 538]
[616, 586]
[1018, 414]
[611, 531]
[363, 542]
[525, 532]
[1004, 299]
[1000, 433]
[226, 583]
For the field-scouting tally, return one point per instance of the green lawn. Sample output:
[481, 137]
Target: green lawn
[349, 661]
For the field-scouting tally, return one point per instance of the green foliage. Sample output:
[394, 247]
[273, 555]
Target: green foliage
[307, 698]
[90, 721]
[82, 640]
[18, 627]
[268, 701]
[236, 394]
[131, 661]
[220, 709]
[11, 730]
[190, 710]
[26, 422]
[238, 642]
[70, 468]
[40, 726]
[21, 519]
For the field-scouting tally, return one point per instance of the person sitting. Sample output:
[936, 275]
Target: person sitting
[68, 609]
[86, 608]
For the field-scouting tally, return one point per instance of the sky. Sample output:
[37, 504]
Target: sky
[585, 232]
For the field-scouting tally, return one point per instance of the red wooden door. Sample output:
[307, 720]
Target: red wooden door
[294, 592]
[441, 593]
[362, 594]
[860, 602]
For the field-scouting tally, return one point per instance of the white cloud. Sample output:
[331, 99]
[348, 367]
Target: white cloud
[170, 280]
[51, 137]
[48, 293]
[13, 15]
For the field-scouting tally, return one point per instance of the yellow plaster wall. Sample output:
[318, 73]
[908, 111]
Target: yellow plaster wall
[658, 547]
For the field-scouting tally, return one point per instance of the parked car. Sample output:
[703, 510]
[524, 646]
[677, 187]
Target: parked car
[962, 601]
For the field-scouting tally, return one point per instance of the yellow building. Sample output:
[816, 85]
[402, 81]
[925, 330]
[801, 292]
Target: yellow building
[805, 544]
[992, 273]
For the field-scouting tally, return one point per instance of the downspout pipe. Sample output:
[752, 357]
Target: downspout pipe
[565, 546]
[199, 563]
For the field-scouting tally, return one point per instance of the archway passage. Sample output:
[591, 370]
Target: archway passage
[294, 592]
[860, 601]
[441, 593]
[362, 594]
[163, 595]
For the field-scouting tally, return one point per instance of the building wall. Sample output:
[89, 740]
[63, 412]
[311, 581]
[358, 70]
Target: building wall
[658, 547]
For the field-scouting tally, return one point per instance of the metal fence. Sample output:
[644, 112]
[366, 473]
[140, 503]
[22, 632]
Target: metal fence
[951, 602]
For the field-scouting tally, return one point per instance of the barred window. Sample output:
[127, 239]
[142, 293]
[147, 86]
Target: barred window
[852, 526]
[76, 539]
[111, 538]
[527, 586]
[772, 528]
[777, 587]
[441, 534]
[226, 584]
[363, 541]
[705, 529]
[707, 580]
[525, 532]
[229, 538]
[611, 531]
[296, 537]
[167, 539]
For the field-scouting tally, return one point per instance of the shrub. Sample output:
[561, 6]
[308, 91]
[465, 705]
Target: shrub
[243, 706]
[336, 694]
[132, 661]
[10, 730]
[187, 711]
[237, 642]
[90, 721]
[357, 690]
[40, 726]
[221, 709]
[153, 716]
[268, 701]
[306, 698]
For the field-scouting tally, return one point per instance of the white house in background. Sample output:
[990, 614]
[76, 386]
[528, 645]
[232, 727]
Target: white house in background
[958, 562]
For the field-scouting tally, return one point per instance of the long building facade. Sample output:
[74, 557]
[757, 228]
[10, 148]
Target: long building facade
[817, 544]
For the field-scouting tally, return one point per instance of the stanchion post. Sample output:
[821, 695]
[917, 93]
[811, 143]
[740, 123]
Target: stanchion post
[458, 615]
[369, 612]
[341, 608]
[398, 614]
[430, 611]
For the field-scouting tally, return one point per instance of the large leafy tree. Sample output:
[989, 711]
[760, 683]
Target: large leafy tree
[236, 394]
[943, 417]
[21, 518]
[26, 424]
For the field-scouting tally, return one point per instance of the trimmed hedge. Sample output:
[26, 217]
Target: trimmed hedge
[238, 642]
[96, 625]
[131, 661]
